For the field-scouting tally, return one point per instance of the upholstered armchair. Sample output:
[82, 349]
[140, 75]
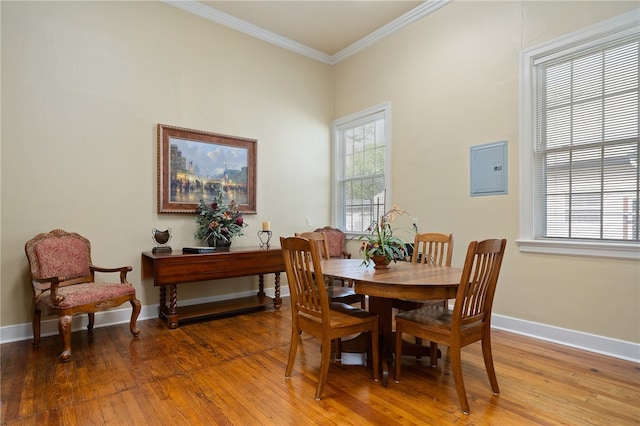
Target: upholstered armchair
[336, 241]
[63, 281]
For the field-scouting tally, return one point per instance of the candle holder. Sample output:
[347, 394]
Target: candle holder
[264, 243]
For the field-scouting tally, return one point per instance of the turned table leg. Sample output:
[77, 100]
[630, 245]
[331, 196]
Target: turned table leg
[277, 300]
[260, 285]
[173, 307]
[163, 300]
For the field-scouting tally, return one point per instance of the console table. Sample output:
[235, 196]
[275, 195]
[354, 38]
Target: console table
[169, 269]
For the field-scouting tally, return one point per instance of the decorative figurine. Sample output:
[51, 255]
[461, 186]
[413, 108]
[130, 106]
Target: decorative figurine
[161, 238]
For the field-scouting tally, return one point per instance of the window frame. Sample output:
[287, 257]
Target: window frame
[615, 28]
[337, 165]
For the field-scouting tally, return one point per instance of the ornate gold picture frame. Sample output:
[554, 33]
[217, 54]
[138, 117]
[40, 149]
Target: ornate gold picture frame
[194, 165]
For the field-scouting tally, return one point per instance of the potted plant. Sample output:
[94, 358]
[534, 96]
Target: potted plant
[218, 222]
[380, 246]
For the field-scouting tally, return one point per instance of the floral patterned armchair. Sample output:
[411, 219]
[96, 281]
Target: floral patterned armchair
[63, 281]
[336, 241]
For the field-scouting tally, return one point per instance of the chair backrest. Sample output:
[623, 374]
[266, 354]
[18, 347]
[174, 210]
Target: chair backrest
[474, 297]
[320, 238]
[433, 248]
[304, 275]
[335, 240]
[59, 254]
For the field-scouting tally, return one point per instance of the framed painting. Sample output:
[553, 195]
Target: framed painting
[195, 165]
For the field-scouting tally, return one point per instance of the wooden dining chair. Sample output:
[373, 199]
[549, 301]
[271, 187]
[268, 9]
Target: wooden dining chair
[430, 248]
[63, 283]
[470, 319]
[433, 248]
[341, 293]
[313, 313]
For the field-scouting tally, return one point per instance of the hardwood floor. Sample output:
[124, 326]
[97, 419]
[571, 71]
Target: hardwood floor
[230, 371]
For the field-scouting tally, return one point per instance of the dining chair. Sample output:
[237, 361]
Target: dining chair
[63, 283]
[431, 248]
[344, 294]
[313, 313]
[470, 319]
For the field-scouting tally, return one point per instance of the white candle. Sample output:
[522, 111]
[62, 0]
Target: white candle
[266, 226]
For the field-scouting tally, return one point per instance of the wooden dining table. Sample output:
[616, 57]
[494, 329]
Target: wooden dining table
[402, 280]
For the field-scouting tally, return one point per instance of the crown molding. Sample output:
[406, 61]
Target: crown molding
[197, 8]
[227, 20]
[408, 18]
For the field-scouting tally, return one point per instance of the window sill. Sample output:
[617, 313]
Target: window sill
[630, 251]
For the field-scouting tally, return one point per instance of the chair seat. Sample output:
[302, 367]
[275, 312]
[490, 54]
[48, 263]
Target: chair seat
[87, 293]
[343, 294]
[432, 315]
[342, 314]
[347, 309]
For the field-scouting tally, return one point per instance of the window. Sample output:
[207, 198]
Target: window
[580, 142]
[362, 167]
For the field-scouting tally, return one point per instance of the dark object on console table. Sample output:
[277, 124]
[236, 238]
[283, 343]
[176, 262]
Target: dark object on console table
[196, 250]
[171, 269]
[161, 239]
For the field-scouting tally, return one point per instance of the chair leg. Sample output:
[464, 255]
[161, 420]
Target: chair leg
[35, 321]
[325, 357]
[293, 348]
[64, 328]
[338, 348]
[375, 352]
[92, 319]
[433, 347]
[433, 353]
[135, 304]
[398, 352]
[488, 363]
[456, 367]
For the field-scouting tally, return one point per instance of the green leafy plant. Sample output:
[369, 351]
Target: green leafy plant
[380, 241]
[219, 220]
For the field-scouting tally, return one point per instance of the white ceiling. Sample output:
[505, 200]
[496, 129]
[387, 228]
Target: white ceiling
[326, 30]
[327, 26]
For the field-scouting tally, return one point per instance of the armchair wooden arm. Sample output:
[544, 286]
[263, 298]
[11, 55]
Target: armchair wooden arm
[123, 272]
[51, 283]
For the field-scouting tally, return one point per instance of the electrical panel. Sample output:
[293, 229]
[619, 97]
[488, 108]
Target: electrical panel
[489, 169]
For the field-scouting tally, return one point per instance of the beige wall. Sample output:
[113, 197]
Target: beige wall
[84, 85]
[452, 79]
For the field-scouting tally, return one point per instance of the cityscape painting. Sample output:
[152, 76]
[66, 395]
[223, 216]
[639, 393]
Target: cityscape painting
[195, 165]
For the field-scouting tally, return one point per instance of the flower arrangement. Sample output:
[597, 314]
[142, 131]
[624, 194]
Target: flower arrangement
[218, 221]
[381, 241]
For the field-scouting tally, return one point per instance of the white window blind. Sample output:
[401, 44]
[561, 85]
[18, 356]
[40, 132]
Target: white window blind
[587, 116]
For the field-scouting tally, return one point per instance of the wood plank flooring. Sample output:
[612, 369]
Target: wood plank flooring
[230, 371]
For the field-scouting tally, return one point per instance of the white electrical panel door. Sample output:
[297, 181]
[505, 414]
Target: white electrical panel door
[489, 169]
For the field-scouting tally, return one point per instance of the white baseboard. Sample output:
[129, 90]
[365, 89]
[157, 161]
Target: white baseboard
[629, 351]
[576, 339]
[120, 315]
